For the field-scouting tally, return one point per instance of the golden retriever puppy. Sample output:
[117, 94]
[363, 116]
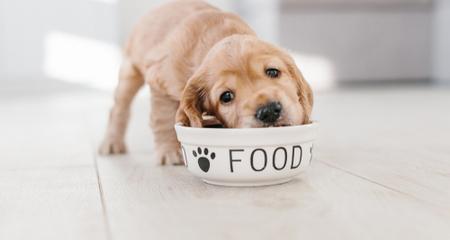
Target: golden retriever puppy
[199, 60]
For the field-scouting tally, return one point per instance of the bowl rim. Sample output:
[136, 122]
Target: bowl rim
[249, 130]
[227, 137]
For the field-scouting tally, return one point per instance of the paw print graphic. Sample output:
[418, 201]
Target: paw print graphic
[203, 158]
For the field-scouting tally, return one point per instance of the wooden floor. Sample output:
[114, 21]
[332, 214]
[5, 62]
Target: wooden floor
[381, 171]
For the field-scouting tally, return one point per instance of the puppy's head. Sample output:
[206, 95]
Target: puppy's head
[245, 82]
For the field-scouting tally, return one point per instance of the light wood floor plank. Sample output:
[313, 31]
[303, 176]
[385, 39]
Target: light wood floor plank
[48, 182]
[145, 200]
[397, 138]
[50, 203]
[381, 172]
[44, 131]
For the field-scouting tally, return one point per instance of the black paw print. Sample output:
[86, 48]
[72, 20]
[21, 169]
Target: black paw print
[203, 159]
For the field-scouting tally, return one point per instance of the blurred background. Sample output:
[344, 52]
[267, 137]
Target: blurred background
[336, 41]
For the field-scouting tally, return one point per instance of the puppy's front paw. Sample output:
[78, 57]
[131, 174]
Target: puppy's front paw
[171, 158]
[112, 146]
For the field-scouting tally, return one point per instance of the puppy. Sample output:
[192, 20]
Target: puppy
[199, 60]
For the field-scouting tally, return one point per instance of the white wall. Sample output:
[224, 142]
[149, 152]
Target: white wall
[129, 12]
[363, 43]
[262, 16]
[27, 25]
[361, 3]
[21, 38]
[65, 39]
[2, 34]
[441, 41]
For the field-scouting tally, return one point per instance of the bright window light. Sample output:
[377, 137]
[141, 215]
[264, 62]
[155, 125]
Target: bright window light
[81, 60]
[318, 71]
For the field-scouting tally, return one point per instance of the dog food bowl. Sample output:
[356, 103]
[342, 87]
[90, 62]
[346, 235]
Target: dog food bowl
[247, 156]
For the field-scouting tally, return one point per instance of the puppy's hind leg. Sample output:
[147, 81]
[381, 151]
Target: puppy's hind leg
[162, 121]
[130, 81]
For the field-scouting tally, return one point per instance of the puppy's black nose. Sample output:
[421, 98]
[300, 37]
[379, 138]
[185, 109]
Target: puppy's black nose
[269, 113]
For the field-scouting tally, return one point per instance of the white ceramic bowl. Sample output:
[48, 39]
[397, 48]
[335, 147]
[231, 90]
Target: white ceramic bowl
[247, 156]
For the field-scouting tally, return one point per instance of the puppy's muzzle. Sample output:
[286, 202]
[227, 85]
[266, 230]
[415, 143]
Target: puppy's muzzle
[269, 113]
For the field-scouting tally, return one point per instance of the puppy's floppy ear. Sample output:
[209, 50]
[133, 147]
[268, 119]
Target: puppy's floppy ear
[304, 91]
[192, 102]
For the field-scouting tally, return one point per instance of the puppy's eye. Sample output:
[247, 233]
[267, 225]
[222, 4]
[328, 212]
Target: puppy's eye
[227, 97]
[272, 72]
